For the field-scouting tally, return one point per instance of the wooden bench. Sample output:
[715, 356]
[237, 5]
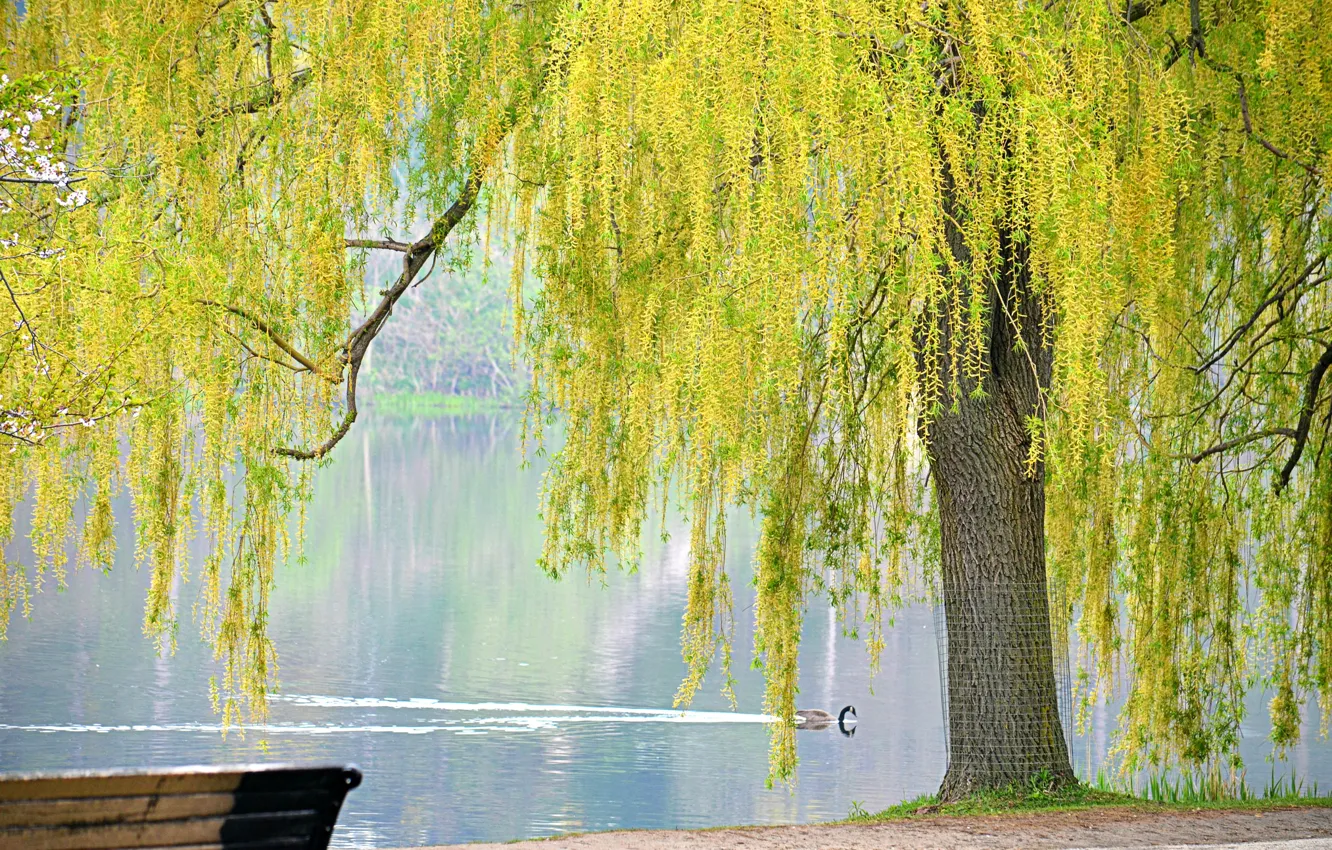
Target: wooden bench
[254, 807]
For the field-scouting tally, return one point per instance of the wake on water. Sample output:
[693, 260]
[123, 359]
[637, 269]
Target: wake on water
[529, 718]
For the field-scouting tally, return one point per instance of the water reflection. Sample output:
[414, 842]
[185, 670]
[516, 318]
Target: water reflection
[420, 641]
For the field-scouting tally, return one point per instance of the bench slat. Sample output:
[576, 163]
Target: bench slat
[175, 781]
[260, 807]
[90, 810]
[283, 843]
[108, 810]
[226, 831]
[116, 786]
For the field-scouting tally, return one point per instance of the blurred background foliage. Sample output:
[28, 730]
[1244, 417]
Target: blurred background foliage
[450, 344]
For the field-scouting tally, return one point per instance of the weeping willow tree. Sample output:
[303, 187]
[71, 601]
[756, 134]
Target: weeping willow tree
[1007, 302]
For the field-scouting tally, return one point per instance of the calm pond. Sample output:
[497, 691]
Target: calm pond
[482, 700]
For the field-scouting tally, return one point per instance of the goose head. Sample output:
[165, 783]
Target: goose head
[841, 721]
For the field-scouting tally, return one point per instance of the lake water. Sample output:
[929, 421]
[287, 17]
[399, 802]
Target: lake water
[482, 700]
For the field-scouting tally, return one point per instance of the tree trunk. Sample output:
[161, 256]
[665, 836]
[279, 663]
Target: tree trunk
[1003, 714]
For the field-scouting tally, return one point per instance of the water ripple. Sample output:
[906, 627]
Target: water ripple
[570, 715]
[660, 714]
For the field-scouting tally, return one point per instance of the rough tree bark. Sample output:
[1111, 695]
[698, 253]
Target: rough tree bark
[1003, 716]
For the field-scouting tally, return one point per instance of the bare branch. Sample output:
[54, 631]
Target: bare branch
[416, 256]
[380, 244]
[273, 335]
[22, 316]
[1306, 416]
[1235, 336]
[1240, 441]
[19, 437]
[29, 181]
[1198, 42]
[298, 80]
[1248, 129]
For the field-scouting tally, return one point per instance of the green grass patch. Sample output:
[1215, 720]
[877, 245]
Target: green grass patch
[439, 404]
[1191, 789]
[999, 802]
[1157, 794]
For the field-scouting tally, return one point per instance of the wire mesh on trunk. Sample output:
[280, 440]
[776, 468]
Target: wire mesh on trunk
[1017, 613]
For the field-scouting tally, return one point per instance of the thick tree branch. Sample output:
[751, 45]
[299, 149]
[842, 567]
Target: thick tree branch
[1240, 441]
[267, 330]
[1134, 12]
[415, 259]
[268, 38]
[339, 432]
[1306, 416]
[354, 349]
[381, 244]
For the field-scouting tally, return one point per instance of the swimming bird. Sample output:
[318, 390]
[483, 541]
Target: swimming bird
[816, 718]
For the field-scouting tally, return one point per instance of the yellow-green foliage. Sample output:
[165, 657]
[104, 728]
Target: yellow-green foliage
[738, 215]
[196, 308]
[737, 212]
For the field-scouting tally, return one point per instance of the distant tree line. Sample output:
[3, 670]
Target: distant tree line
[454, 336]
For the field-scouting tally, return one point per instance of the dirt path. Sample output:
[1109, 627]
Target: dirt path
[1109, 827]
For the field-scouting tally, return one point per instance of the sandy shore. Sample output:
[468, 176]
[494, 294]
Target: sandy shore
[1108, 827]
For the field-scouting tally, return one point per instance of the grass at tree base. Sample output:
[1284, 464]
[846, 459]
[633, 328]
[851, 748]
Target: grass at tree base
[1037, 797]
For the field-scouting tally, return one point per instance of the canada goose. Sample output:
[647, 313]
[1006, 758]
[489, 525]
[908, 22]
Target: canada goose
[815, 718]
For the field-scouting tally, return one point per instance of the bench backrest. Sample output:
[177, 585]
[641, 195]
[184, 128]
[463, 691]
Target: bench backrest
[255, 807]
